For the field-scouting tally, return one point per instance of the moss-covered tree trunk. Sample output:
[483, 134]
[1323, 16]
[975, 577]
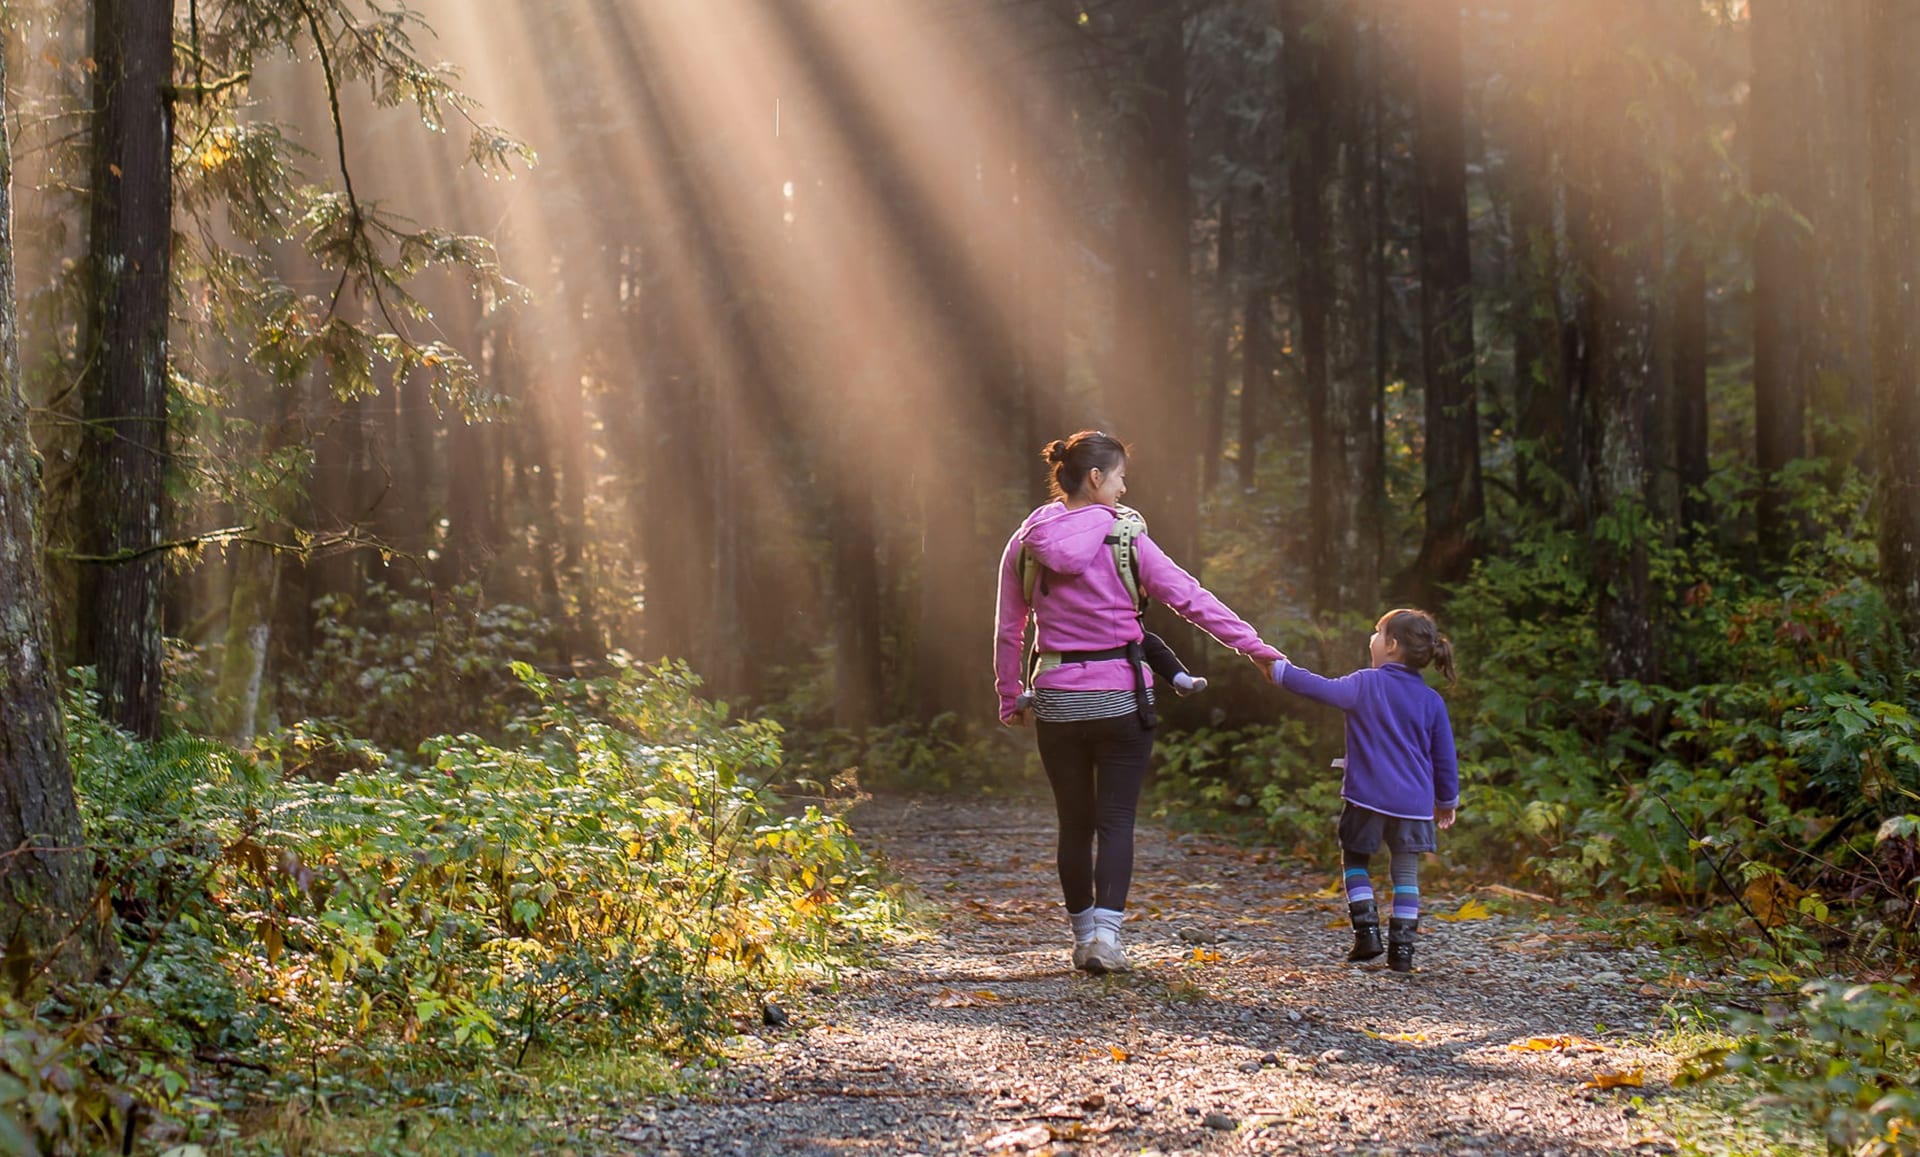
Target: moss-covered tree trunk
[124, 382]
[45, 885]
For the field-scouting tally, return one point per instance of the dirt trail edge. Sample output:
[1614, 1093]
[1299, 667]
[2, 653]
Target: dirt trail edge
[1242, 1031]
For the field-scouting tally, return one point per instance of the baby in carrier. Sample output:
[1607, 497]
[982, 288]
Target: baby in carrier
[1160, 660]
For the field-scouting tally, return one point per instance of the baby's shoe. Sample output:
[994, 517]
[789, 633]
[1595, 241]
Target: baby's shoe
[1187, 684]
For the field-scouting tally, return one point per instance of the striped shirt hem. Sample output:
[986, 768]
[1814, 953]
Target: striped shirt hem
[1054, 706]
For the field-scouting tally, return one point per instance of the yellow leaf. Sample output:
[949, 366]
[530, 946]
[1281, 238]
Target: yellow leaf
[1471, 910]
[1120, 1055]
[1342, 922]
[1772, 898]
[1556, 1044]
[1205, 955]
[1607, 1079]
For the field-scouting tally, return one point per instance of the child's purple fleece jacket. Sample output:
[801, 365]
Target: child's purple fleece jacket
[1400, 758]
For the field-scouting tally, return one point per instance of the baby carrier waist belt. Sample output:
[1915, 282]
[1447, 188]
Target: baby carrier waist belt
[1044, 661]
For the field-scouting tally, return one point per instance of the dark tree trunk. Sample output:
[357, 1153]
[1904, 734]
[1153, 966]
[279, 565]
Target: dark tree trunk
[1896, 342]
[1151, 388]
[1455, 503]
[1326, 177]
[1540, 383]
[1219, 350]
[1780, 164]
[1256, 361]
[1617, 242]
[125, 381]
[1689, 329]
[1842, 355]
[44, 886]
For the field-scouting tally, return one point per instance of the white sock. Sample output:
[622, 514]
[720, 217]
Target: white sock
[1183, 681]
[1106, 924]
[1083, 926]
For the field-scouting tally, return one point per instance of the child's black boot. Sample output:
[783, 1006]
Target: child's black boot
[1366, 932]
[1400, 937]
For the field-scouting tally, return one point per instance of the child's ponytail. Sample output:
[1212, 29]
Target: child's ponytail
[1443, 659]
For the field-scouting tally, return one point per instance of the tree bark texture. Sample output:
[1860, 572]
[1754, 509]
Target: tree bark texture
[1326, 184]
[44, 888]
[1455, 502]
[124, 382]
[1618, 246]
[1781, 317]
[1219, 350]
[1896, 344]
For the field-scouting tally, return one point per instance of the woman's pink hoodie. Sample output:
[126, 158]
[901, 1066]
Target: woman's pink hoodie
[1081, 604]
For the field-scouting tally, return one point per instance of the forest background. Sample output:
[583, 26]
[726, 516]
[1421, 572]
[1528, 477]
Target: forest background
[357, 420]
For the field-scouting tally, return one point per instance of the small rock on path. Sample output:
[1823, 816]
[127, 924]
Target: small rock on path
[1242, 1031]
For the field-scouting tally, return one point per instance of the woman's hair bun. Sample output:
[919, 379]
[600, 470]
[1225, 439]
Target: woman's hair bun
[1056, 451]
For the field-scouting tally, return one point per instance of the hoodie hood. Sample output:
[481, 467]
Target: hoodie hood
[1067, 541]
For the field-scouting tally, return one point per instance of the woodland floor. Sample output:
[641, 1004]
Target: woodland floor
[1242, 1030]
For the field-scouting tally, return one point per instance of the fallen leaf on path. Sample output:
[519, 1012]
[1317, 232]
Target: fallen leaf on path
[953, 999]
[1412, 1038]
[1517, 894]
[1607, 1079]
[1557, 1044]
[1342, 922]
[1031, 1137]
[1471, 910]
[1205, 956]
[1120, 1055]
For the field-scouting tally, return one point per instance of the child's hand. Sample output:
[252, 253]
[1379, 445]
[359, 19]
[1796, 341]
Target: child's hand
[1277, 669]
[1444, 817]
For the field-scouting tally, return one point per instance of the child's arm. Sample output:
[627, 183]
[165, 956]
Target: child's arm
[1446, 768]
[1343, 692]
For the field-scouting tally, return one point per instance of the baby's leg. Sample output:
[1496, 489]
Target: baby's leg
[1167, 665]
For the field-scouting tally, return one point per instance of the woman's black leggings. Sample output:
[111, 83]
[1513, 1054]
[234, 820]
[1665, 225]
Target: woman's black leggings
[1096, 767]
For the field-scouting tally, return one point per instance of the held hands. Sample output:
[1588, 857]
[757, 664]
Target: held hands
[1017, 719]
[1444, 817]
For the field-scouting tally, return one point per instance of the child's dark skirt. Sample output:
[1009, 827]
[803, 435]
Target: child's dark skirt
[1363, 830]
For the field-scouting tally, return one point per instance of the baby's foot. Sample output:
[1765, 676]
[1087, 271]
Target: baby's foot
[1189, 684]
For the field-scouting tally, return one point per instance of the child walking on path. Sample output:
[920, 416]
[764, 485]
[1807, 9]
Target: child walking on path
[1402, 780]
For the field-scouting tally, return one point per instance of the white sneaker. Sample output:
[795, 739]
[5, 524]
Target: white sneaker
[1080, 952]
[1104, 956]
[1083, 932]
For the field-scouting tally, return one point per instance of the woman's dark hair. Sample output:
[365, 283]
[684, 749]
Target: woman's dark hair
[1073, 458]
[1420, 640]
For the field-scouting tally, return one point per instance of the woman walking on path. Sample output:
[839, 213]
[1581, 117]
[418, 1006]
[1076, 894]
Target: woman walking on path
[1092, 696]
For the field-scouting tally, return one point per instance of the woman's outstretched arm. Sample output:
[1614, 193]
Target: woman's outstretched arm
[1166, 581]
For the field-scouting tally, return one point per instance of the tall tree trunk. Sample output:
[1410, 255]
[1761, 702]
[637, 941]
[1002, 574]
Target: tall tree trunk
[1540, 383]
[44, 886]
[1455, 503]
[124, 383]
[1219, 347]
[1689, 345]
[1151, 391]
[1327, 183]
[1896, 341]
[1842, 355]
[1256, 354]
[1617, 242]
[1781, 319]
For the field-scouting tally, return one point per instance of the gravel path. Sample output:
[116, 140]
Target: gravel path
[1242, 1030]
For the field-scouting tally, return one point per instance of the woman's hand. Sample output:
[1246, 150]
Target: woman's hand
[1444, 817]
[1017, 719]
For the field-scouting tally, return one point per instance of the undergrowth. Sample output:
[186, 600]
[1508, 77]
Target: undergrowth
[615, 874]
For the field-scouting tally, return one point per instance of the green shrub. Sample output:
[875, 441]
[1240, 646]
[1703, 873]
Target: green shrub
[1845, 1058]
[614, 871]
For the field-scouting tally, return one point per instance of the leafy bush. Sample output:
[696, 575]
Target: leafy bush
[391, 668]
[616, 871]
[1845, 1058]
